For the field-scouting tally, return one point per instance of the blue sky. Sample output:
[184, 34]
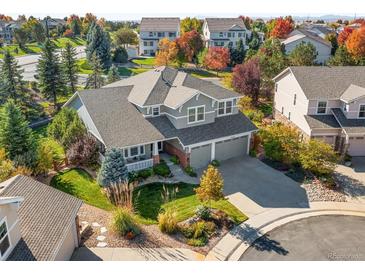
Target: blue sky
[126, 9]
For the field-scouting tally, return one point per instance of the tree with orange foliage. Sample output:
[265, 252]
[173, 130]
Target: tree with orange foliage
[6, 18]
[190, 44]
[355, 44]
[282, 27]
[217, 58]
[167, 52]
[344, 35]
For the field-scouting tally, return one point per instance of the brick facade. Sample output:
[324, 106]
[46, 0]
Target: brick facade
[183, 157]
[156, 159]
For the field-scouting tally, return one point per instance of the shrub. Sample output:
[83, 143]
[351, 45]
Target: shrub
[119, 55]
[162, 169]
[167, 221]
[175, 160]
[211, 185]
[124, 222]
[190, 171]
[113, 168]
[203, 212]
[210, 228]
[215, 163]
[145, 173]
[121, 194]
[45, 158]
[253, 153]
[254, 115]
[84, 151]
[198, 242]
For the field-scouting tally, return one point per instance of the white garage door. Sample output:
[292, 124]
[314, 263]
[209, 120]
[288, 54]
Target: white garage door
[200, 156]
[357, 146]
[231, 148]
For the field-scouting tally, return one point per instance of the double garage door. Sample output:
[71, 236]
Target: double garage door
[357, 146]
[201, 156]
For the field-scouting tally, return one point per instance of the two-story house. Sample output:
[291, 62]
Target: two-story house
[326, 103]
[225, 32]
[165, 110]
[153, 29]
[297, 36]
[37, 222]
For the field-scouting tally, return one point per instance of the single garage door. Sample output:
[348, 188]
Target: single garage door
[357, 146]
[200, 156]
[231, 148]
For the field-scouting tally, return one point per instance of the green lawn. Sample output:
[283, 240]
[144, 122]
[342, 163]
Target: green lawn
[148, 202]
[61, 42]
[145, 61]
[130, 71]
[84, 67]
[80, 184]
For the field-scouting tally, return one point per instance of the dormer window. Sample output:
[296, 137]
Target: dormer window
[196, 114]
[4, 239]
[225, 108]
[322, 107]
[362, 111]
[155, 111]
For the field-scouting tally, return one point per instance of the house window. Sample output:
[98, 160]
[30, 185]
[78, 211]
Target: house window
[134, 151]
[225, 107]
[156, 111]
[295, 100]
[172, 34]
[196, 114]
[151, 43]
[4, 239]
[150, 34]
[159, 146]
[229, 34]
[160, 34]
[240, 34]
[289, 114]
[321, 107]
[362, 111]
[145, 43]
[221, 34]
[282, 110]
[276, 87]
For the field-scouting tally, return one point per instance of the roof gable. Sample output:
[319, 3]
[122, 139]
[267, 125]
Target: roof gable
[160, 24]
[224, 24]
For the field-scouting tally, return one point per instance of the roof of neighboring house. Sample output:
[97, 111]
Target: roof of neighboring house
[152, 87]
[323, 29]
[119, 122]
[45, 215]
[160, 24]
[323, 82]
[322, 121]
[225, 24]
[352, 93]
[222, 127]
[301, 33]
[351, 126]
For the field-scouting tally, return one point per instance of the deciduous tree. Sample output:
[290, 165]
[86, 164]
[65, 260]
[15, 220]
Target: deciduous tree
[344, 35]
[167, 52]
[124, 37]
[211, 185]
[282, 27]
[217, 58]
[304, 54]
[20, 37]
[189, 24]
[342, 58]
[83, 152]
[190, 44]
[355, 44]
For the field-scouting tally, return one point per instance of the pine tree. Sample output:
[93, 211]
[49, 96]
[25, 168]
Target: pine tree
[69, 65]
[50, 73]
[211, 185]
[15, 135]
[113, 168]
[11, 86]
[98, 42]
[95, 79]
[113, 74]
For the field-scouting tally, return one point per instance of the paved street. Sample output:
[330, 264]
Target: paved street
[315, 238]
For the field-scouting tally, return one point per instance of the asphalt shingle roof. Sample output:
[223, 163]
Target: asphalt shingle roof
[320, 82]
[349, 125]
[224, 24]
[222, 127]
[352, 93]
[160, 24]
[45, 217]
[322, 121]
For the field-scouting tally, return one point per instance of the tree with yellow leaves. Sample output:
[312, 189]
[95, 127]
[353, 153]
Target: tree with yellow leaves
[211, 185]
[167, 52]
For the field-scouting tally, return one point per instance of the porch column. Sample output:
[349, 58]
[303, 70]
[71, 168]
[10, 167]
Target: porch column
[212, 152]
[155, 154]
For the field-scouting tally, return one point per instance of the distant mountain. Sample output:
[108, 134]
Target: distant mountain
[326, 18]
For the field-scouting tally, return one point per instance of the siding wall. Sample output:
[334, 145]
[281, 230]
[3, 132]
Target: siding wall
[312, 106]
[354, 108]
[13, 224]
[68, 245]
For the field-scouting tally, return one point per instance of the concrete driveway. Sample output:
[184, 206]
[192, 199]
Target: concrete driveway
[253, 186]
[316, 238]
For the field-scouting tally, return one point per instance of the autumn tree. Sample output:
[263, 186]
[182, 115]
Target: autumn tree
[87, 21]
[355, 44]
[190, 44]
[344, 35]
[74, 24]
[189, 24]
[217, 58]
[282, 27]
[211, 185]
[247, 21]
[246, 79]
[304, 54]
[167, 52]
[124, 37]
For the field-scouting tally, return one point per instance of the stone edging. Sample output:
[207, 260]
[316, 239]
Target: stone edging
[231, 247]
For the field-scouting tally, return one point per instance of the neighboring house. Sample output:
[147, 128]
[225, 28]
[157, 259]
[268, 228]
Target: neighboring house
[298, 36]
[7, 30]
[166, 110]
[37, 222]
[320, 29]
[327, 103]
[224, 32]
[153, 29]
[53, 23]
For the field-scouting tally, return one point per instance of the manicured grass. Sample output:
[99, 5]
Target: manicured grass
[148, 202]
[130, 71]
[145, 61]
[61, 42]
[84, 67]
[80, 184]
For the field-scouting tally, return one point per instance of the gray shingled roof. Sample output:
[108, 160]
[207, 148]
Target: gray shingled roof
[312, 35]
[45, 217]
[349, 125]
[118, 121]
[160, 24]
[321, 82]
[224, 24]
[352, 93]
[222, 127]
[322, 121]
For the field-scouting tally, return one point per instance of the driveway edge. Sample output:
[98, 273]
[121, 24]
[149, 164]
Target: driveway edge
[238, 240]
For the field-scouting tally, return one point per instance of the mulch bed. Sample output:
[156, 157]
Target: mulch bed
[151, 236]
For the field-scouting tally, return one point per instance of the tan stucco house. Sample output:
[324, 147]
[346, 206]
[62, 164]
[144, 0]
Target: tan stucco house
[37, 222]
[327, 103]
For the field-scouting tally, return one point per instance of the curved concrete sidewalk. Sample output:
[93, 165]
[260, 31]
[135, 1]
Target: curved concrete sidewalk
[237, 241]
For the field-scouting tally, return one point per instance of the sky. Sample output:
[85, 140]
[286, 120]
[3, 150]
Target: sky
[129, 9]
